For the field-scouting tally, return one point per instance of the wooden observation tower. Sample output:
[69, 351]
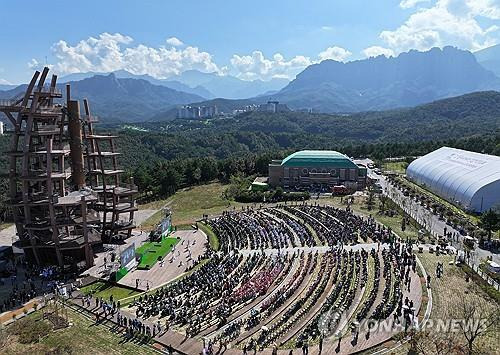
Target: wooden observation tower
[65, 189]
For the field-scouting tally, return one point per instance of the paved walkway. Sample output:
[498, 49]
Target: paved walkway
[8, 236]
[6, 317]
[179, 342]
[429, 220]
[174, 263]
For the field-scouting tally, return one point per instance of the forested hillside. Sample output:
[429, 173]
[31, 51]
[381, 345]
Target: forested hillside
[460, 117]
[164, 156]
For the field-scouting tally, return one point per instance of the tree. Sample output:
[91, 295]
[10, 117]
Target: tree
[193, 172]
[428, 219]
[371, 196]
[490, 221]
[426, 342]
[4, 195]
[383, 201]
[476, 318]
[169, 181]
[143, 179]
[209, 169]
[278, 193]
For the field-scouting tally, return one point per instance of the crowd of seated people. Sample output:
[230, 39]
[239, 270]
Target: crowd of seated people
[273, 291]
[298, 309]
[302, 232]
[261, 313]
[365, 308]
[251, 229]
[257, 285]
[213, 292]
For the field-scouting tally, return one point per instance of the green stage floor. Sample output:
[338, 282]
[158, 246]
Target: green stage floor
[150, 252]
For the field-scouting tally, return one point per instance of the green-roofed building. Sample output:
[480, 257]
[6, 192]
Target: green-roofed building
[325, 168]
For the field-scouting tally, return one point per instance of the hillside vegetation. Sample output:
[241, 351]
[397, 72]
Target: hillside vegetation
[463, 118]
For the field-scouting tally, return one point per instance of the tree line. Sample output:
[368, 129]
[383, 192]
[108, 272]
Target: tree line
[163, 178]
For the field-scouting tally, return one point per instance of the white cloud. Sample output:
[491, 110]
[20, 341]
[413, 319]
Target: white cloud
[36, 65]
[174, 41]
[408, 4]
[447, 22]
[327, 28]
[486, 8]
[375, 51]
[33, 64]
[256, 66]
[109, 52]
[335, 53]
[5, 82]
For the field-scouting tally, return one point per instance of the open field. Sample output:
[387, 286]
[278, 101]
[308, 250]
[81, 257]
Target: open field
[151, 251]
[189, 204]
[81, 337]
[395, 166]
[448, 293]
[104, 290]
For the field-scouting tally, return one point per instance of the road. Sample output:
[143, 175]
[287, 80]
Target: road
[430, 221]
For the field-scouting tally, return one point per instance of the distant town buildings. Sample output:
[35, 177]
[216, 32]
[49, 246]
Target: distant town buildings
[201, 112]
[247, 108]
[274, 107]
[270, 106]
[197, 112]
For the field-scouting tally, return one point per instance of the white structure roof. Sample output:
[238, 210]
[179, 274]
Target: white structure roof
[471, 180]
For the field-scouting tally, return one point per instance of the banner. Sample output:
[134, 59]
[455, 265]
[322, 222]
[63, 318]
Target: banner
[127, 256]
[165, 224]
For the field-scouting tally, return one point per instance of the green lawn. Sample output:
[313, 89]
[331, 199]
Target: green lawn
[212, 238]
[104, 290]
[395, 166]
[450, 289]
[188, 205]
[81, 337]
[151, 251]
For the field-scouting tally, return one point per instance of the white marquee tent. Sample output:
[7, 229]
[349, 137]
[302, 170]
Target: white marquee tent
[470, 180]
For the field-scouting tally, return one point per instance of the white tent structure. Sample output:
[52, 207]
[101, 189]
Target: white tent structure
[470, 180]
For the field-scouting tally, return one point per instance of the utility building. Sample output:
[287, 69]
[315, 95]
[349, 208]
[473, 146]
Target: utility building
[467, 179]
[324, 168]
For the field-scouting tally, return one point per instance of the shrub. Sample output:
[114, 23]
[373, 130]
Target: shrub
[60, 350]
[29, 330]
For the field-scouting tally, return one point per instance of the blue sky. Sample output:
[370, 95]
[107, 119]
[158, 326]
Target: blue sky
[250, 39]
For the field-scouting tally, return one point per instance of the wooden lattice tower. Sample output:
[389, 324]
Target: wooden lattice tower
[55, 199]
[116, 199]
